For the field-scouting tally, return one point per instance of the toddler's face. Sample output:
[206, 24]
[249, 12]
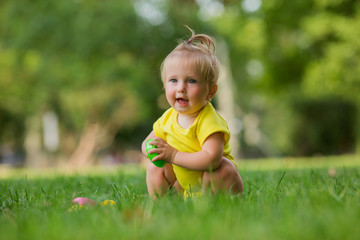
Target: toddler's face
[185, 90]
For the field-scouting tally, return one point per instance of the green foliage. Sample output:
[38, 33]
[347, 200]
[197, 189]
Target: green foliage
[290, 52]
[88, 61]
[336, 71]
[98, 61]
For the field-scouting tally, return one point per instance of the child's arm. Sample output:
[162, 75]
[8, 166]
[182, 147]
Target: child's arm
[151, 135]
[208, 158]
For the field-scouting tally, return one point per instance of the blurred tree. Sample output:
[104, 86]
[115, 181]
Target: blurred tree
[333, 31]
[286, 52]
[96, 63]
[87, 60]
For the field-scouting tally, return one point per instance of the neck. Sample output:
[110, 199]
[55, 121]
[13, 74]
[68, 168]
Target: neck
[185, 120]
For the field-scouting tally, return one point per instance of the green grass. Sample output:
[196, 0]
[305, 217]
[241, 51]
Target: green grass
[283, 199]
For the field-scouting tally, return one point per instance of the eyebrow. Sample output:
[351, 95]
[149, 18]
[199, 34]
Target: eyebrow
[188, 77]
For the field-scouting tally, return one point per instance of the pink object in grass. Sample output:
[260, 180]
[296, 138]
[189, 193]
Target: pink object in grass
[83, 201]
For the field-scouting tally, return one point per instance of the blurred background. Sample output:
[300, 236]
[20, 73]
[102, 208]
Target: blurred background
[80, 82]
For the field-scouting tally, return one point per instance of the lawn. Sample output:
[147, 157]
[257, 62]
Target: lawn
[283, 199]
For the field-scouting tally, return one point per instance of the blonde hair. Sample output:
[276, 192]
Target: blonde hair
[201, 49]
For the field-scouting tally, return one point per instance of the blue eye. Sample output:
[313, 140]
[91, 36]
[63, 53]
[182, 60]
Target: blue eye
[173, 80]
[192, 81]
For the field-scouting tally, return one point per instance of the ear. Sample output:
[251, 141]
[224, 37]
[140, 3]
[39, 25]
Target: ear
[212, 91]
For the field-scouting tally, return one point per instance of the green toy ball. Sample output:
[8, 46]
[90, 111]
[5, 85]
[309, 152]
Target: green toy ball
[158, 163]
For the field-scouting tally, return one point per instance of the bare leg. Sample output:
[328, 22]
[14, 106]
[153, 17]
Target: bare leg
[161, 180]
[226, 178]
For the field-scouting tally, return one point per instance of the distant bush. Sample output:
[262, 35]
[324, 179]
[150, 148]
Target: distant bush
[324, 126]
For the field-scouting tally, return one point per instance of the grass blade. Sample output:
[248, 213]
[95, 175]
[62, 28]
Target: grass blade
[282, 177]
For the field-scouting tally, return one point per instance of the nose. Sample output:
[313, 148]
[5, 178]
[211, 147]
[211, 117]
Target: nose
[181, 86]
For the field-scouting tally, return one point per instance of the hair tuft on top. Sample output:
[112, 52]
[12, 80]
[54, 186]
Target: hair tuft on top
[203, 39]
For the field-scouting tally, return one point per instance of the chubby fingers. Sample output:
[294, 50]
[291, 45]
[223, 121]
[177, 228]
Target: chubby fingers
[158, 151]
[166, 152]
[157, 142]
[158, 157]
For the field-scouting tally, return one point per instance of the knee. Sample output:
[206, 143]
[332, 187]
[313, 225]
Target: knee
[157, 174]
[151, 168]
[155, 171]
[232, 177]
[229, 175]
[227, 169]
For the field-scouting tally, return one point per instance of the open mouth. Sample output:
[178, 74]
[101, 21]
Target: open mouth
[182, 101]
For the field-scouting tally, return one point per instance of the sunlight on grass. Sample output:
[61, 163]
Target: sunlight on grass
[129, 169]
[300, 163]
[243, 165]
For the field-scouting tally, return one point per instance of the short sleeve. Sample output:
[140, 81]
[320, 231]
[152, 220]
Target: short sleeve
[158, 129]
[209, 123]
[205, 133]
[158, 126]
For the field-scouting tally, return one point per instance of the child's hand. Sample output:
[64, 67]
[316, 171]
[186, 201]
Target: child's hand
[165, 151]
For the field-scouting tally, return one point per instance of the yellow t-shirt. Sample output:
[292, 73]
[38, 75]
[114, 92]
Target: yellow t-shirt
[191, 140]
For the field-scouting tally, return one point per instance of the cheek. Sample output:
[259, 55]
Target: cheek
[200, 93]
[169, 93]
